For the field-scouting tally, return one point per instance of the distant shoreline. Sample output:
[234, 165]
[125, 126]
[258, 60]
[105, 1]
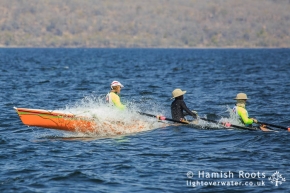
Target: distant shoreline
[165, 24]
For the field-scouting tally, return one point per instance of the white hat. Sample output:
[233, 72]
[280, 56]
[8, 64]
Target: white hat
[177, 92]
[116, 83]
[241, 96]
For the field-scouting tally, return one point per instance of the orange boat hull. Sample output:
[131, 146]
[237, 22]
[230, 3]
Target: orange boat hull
[70, 122]
[55, 120]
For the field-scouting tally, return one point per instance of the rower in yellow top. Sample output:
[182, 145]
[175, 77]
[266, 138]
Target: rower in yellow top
[240, 110]
[113, 96]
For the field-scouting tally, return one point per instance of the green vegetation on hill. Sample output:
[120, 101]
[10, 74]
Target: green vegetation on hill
[145, 23]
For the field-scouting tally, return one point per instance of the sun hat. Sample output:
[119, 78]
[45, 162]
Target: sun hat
[177, 92]
[116, 83]
[241, 96]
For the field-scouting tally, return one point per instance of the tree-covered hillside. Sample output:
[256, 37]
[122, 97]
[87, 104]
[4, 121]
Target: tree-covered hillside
[145, 23]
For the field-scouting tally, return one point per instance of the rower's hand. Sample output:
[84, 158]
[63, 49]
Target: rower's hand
[184, 121]
[195, 112]
[161, 117]
[254, 120]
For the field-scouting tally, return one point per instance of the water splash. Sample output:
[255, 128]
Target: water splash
[233, 118]
[105, 120]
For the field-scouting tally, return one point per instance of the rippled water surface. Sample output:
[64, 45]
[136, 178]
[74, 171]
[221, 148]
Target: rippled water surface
[161, 158]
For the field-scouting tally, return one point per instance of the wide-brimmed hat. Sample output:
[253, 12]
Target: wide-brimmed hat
[241, 96]
[177, 92]
[116, 83]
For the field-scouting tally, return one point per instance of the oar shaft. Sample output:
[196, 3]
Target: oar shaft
[224, 124]
[217, 122]
[273, 125]
[163, 118]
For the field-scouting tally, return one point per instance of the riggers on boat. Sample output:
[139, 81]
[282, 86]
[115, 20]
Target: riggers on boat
[69, 122]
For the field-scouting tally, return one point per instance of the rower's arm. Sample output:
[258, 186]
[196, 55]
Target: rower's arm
[187, 110]
[244, 115]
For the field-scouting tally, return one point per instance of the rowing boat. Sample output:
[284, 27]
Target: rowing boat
[60, 120]
[69, 122]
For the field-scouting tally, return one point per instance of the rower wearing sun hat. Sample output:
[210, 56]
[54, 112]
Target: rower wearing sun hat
[113, 96]
[178, 106]
[240, 109]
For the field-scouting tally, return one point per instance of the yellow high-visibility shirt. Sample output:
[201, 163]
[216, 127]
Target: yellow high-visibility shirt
[113, 98]
[243, 113]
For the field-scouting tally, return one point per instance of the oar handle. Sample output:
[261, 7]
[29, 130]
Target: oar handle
[278, 126]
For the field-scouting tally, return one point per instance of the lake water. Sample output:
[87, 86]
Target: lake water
[162, 158]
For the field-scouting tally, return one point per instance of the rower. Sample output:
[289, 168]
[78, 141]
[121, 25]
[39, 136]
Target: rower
[113, 97]
[241, 111]
[178, 106]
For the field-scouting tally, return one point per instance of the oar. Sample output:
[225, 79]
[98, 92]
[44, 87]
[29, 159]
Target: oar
[272, 125]
[217, 122]
[227, 124]
[162, 118]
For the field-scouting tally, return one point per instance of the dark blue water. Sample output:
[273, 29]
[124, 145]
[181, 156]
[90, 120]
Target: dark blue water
[160, 160]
